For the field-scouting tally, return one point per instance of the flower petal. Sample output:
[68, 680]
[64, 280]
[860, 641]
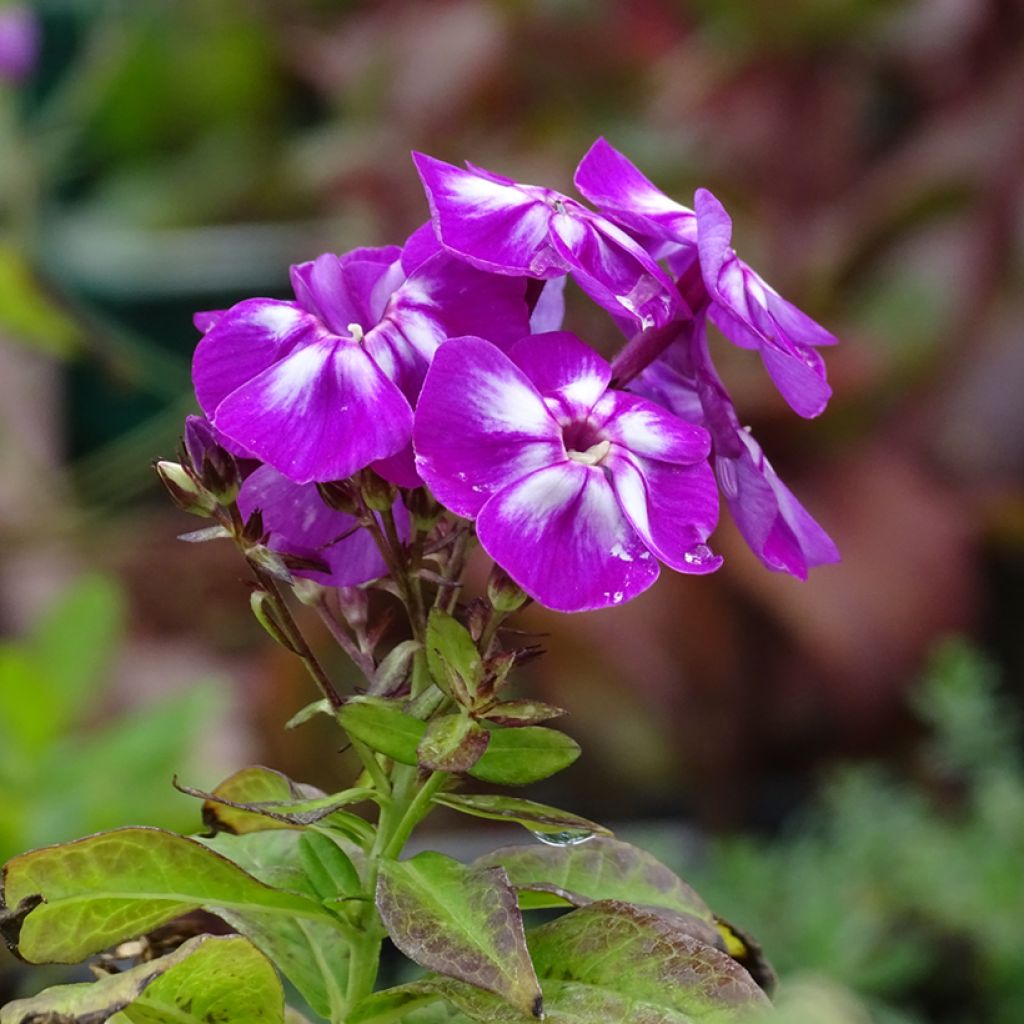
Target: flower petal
[561, 365]
[777, 528]
[549, 309]
[714, 237]
[480, 425]
[242, 343]
[612, 183]
[647, 429]
[321, 414]
[350, 289]
[494, 225]
[673, 508]
[299, 523]
[800, 377]
[560, 534]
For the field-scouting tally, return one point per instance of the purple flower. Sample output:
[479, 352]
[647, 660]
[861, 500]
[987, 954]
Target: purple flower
[19, 42]
[751, 314]
[577, 491]
[299, 523]
[323, 386]
[778, 529]
[744, 307]
[499, 225]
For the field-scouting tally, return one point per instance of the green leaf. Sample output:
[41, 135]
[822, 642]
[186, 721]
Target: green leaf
[328, 867]
[117, 885]
[383, 727]
[312, 953]
[515, 713]
[223, 979]
[602, 869]
[538, 818]
[452, 657]
[460, 921]
[257, 798]
[513, 756]
[608, 963]
[394, 670]
[452, 743]
[520, 756]
[310, 711]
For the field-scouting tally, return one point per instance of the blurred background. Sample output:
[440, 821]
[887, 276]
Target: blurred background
[827, 761]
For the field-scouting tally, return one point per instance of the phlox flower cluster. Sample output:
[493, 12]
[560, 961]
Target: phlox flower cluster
[445, 365]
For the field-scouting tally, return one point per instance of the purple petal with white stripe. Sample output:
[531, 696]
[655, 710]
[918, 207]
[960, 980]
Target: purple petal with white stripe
[496, 226]
[645, 428]
[563, 367]
[614, 185]
[322, 413]
[560, 534]
[752, 315]
[242, 343]
[674, 508]
[480, 425]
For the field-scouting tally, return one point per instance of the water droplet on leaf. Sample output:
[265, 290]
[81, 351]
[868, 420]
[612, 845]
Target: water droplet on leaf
[570, 837]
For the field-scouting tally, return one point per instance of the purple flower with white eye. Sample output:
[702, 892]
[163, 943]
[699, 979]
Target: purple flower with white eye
[577, 491]
[19, 42]
[747, 310]
[504, 227]
[323, 386]
[776, 527]
[299, 523]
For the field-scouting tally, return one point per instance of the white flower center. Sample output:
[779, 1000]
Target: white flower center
[593, 455]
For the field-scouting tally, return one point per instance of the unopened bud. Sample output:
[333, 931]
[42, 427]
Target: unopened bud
[354, 603]
[309, 592]
[338, 495]
[220, 474]
[423, 509]
[504, 594]
[183, 490]
[263, 608]
[377, 492]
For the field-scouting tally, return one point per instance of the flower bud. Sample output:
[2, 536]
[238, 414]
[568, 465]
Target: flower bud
[183, 490]
[504, 594]
[220, 475]
[377, 492]
[423, 509]
[337, 494]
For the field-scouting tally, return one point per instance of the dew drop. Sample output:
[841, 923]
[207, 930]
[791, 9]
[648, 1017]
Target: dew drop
[570, 837]
[699, 554]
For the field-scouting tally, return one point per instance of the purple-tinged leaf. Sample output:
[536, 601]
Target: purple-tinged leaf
[462, 922]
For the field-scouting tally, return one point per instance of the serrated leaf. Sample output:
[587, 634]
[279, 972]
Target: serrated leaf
[463, 922]
[452, 657]
[515, 713]
[516, 757]
[257, 798]
[117, 885]
[538, 818]
[601, 869]
[311, 953]
[608, 963]
[207, 978]
[452, 743]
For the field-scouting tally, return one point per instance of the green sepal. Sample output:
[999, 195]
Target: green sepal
[538, 818]
[222, 978]
[452, 743]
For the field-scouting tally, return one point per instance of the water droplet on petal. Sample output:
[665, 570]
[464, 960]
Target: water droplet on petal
[570, 837]
[699, 554]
